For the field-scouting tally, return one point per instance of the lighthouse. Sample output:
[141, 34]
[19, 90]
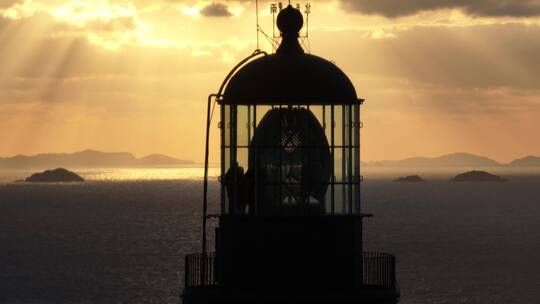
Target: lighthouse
[291, 221]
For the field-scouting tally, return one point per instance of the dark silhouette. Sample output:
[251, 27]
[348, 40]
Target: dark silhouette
[56, 175]
[290, 227]
[410, 179]
[477, 176]
[238, 188]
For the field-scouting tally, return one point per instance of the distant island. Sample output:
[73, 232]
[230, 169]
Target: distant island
[449, 160]
[97, 159]
[410, 179]
[477, 176]
[529, 161]
[88, 159]
[459, 159]
[56, 175]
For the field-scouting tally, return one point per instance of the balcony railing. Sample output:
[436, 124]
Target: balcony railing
[378, 270]
[199, 271]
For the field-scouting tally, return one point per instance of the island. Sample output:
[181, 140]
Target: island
[53, 176]
[89, 159]
[410, 179]
[477, 176]
[528, 161]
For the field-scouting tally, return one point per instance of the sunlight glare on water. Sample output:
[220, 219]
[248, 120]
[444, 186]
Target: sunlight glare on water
[126, 174]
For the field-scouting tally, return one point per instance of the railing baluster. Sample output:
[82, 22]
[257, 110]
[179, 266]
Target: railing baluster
[378, 270]
[194, 268]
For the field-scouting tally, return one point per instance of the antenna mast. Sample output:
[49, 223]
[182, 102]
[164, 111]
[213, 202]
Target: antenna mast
[275, 37]
[257, 17]
[308, 12]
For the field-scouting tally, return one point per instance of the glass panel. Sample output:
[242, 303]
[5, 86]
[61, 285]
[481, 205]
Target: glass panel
[338, 126]
[243, 126]
[327, 123]
[356, 159]
[356, 198]
[347, 125]
[226, 125]
[251, 122]
[346, 199]
[347, 179]
[242, 158]
[225, 138]
[318, 112]
[261, 111]
[339, 164]
[328, 201]
[339, 199]
[349, 155]
[226, 166]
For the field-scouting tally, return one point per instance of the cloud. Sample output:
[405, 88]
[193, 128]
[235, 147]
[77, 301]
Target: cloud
[490, 8]
[7, 3]
[479, 56]
[215, 9]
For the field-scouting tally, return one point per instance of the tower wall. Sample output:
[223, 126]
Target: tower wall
[294, 253]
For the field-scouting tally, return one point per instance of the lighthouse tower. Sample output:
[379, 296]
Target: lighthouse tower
[290, 227]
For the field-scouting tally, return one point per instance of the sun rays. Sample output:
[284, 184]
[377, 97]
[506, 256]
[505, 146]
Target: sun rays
[133, 74]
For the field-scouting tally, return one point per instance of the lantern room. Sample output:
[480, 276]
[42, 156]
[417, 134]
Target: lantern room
[290, 134]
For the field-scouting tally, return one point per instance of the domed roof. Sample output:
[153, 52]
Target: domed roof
[290, 76]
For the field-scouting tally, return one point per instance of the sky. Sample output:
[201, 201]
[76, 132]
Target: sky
[439, 76]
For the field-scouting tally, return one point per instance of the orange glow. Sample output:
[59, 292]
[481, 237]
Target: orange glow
[133, 75]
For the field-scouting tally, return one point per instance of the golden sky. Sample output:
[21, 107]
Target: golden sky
[439, 76]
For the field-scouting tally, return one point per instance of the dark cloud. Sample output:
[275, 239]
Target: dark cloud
[398, 8]
[216, 10]
[482, 56]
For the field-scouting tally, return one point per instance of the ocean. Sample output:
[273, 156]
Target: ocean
[121, 236]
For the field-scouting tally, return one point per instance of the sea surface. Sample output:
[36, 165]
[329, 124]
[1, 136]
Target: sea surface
[121, 236]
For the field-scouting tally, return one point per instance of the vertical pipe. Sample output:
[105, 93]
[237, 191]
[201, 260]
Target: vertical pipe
[332, 124]
[350, 157]
[248, 125]
[233, 202]
[256, 172]
[273, 28]
[343, 159]
[205, 181]
[257, 20]
[359, 175]
[222, 157]
[324, 130]
[356, 130]
[281, 147]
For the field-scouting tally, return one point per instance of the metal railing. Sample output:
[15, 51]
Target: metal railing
[199, 271]
[379, 270]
